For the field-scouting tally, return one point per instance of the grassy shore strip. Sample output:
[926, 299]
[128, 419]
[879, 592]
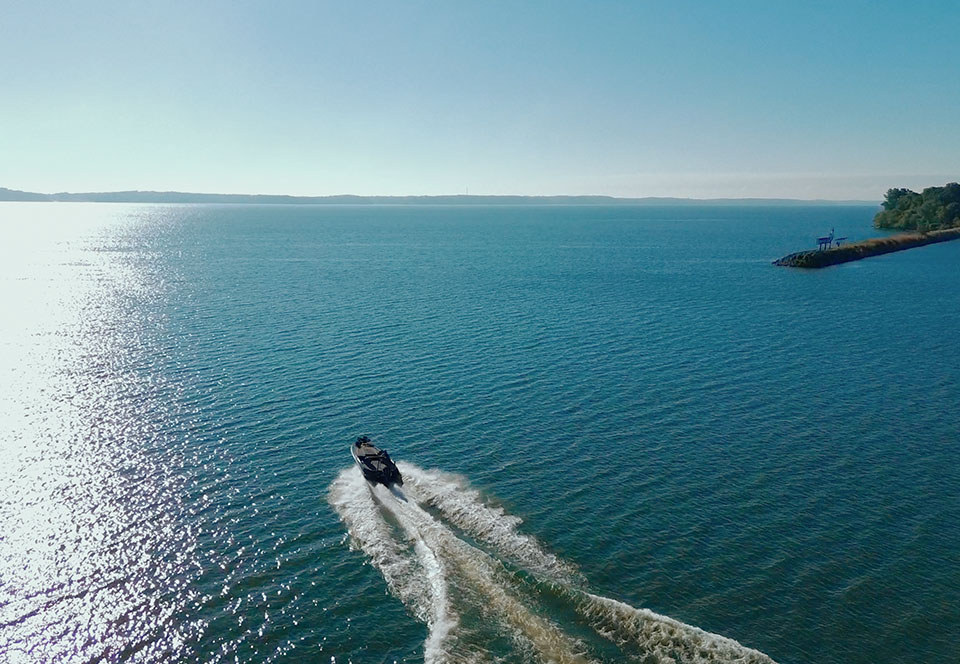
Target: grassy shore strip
[872, 247]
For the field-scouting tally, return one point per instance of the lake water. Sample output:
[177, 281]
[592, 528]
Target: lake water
[625, 436]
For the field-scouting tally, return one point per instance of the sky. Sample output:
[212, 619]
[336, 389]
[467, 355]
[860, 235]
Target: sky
[834, 100]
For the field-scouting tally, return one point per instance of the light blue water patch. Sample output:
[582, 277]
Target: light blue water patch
[608, 414]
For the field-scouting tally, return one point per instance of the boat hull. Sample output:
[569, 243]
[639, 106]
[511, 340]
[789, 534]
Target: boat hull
[378, 468]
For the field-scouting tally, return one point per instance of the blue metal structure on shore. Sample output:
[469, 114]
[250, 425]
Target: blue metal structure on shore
[827, 241]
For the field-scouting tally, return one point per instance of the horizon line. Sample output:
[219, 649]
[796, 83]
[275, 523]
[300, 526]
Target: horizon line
[17, 195]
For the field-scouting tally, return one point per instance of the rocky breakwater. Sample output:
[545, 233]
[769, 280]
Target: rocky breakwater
[872, 247]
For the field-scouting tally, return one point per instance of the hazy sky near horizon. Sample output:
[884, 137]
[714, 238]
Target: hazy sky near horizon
[701, 99]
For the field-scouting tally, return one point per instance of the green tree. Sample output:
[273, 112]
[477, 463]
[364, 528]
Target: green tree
[893, 197]
[935, 207]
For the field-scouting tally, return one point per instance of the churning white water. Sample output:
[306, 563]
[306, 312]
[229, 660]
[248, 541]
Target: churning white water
[453, 560]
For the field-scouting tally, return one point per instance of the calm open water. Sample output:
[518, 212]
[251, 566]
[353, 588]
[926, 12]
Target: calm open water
[626, 436]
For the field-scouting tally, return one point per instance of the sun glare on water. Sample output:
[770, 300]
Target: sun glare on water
[74, 585]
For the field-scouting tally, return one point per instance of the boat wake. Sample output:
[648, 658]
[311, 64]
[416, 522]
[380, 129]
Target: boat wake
[462, 566]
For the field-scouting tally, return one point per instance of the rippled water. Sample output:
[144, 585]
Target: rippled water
[627, 436]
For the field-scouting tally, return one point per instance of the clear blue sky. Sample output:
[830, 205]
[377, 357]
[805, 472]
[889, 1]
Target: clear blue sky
[805, 99]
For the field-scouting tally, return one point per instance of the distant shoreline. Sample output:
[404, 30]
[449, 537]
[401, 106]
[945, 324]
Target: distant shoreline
[11, 195]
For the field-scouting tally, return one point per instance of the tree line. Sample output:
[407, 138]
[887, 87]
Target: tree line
[934, 208]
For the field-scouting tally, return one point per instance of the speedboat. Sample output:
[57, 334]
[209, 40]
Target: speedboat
[375, 464]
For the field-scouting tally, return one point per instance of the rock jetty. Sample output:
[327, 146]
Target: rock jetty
[872, 247]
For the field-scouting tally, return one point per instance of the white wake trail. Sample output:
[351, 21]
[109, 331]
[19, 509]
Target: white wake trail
[670, 640]
[440, 556]
[488, 577]
[464, 508]
[417, 578]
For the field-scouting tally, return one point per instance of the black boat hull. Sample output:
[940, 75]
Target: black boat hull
[377, 469]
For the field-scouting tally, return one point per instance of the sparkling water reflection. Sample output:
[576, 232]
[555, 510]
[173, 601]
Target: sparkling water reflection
[93, 552]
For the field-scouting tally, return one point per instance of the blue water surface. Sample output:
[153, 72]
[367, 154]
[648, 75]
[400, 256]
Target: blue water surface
[765, 453]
